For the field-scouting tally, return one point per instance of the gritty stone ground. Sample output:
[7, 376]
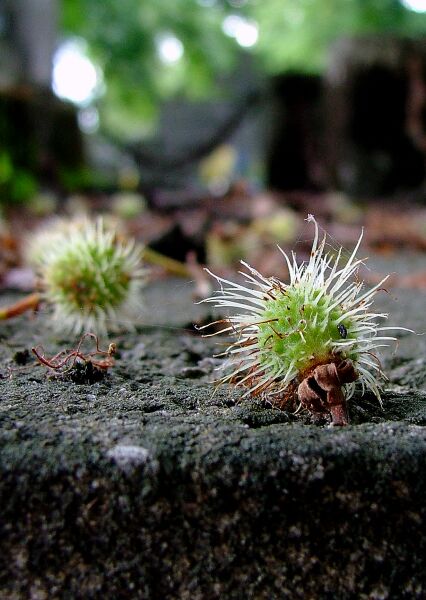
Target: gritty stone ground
[152, 484]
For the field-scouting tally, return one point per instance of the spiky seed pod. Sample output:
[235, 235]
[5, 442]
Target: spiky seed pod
[49, 235]
[287, 330]
[91, 279]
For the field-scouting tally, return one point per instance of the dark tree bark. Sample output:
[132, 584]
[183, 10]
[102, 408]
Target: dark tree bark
[38, 133]
[293, 159]
[375, 115]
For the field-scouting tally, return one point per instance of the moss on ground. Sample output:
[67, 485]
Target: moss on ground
[151, 484]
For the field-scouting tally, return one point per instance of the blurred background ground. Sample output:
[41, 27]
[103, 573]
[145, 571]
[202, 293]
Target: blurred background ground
[209, 128]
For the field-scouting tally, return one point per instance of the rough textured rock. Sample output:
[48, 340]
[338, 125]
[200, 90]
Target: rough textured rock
[152, 484]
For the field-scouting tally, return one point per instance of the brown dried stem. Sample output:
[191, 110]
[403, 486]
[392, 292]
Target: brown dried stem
[30, 302]
[64, 360]
[321, 391]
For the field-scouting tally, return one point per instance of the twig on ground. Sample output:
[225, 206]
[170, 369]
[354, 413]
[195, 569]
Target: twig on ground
[65, 360]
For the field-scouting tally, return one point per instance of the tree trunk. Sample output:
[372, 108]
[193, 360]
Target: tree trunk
[34, 35]
[375, 115]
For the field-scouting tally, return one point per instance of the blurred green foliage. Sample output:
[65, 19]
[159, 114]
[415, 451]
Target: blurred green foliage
[293, 35]
[123, 38]
[297, 35]
[17, 185]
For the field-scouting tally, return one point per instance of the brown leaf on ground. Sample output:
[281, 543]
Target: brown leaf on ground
[389, 228]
